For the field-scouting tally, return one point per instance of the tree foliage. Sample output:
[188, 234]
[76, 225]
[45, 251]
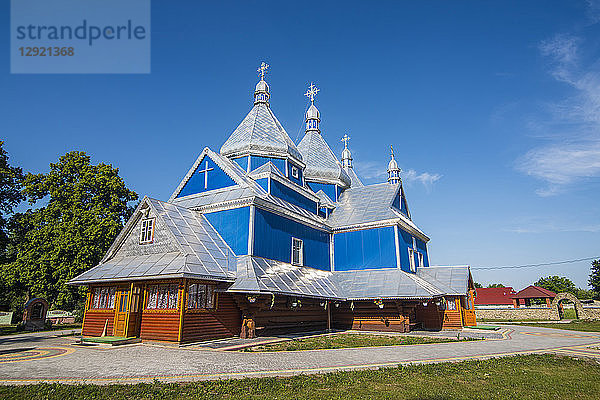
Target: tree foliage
[594, 280]
[10, 196]
[495, 285]
[557, 284]
[86, 208]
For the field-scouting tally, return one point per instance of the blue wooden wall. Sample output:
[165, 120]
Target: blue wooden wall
[365, 249]
[243, 162]
[216, 179]
[232, 225]
[273, 239]
[291, 177]
[330, 190]
[257, 161]
[292, 196]
[405, 242]
[400, 203]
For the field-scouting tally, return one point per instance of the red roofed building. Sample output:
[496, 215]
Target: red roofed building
[525, 296]
[496, 297]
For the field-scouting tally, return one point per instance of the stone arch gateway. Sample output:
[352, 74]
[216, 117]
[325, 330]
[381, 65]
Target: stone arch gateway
[581, 314]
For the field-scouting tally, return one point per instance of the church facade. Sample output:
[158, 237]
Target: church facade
[270, 236]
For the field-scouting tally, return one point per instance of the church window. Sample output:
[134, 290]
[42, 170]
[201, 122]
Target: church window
[103, 298]
[297, 252]
[201, 296]
[411, 259]
[163, 296]
[421, 260]
[295, 172]
[147, 233]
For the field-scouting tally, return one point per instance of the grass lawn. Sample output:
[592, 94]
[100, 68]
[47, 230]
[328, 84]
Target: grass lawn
[341, 341]
[583, 326]
[523, 377]
[12, 329]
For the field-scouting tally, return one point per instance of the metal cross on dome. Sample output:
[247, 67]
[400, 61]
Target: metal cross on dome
[312, 92]
[262, 70]
[346, 139]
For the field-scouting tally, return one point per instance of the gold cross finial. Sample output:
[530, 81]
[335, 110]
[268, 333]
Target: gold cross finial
[312, 92]
[346, 139]
[262, 70]
[392, 149]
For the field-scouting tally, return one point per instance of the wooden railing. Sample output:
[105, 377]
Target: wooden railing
[469, 317]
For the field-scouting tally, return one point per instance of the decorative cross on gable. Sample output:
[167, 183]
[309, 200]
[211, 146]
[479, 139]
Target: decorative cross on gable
[205, 172]
[312, 92]
[262, 70]
[346, 139]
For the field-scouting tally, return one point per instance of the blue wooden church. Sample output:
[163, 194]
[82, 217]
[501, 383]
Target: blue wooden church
[265, 236]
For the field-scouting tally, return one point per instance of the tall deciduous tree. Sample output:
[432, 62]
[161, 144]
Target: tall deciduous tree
[557, 284]
[86, 208]
[10, 196]
[594, 280]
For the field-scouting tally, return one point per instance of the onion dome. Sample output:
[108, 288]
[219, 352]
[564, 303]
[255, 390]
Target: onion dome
[260, 132]
[393, 170]
[322, 165]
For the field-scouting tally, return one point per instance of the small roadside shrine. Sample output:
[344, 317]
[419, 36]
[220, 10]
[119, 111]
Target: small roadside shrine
[525, 296]
[34, 315]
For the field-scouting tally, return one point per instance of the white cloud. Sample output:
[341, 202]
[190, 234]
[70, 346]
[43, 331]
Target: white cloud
[375, 172]
[572, 127]
[424, 178]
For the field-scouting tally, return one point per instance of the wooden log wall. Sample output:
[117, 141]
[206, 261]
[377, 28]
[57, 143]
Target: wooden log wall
[367, 316]
[281, 317]
[160, 325]
[433, 318]
[224, 321]
[95, 320]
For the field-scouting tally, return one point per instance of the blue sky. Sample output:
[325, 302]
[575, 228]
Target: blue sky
[493, 110]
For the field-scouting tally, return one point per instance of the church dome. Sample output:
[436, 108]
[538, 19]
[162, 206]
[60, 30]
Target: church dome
[262, 86]
[392, 165]
[313, 113]
[346, 155]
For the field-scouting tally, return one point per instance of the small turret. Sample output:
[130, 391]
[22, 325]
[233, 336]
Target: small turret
[346, 155]
[313, 116]
[393, 170]
[261, 92]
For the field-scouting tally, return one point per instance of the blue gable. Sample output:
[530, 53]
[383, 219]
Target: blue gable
[365, 249]
[242, 162]
[400, 203]
[232, 225]
[207, 176]
[273, 239]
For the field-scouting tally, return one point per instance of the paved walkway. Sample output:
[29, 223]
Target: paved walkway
[44, 357]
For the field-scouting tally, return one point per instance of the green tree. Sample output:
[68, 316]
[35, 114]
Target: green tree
[594, 280]
[495, 285]
[477, 285]
[10, 196]
[86, 208]
[557, 284]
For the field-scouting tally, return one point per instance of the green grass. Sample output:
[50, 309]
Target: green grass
[577, 325]
[12, 329]
[569, 313]
[524, 377]
[342, 341]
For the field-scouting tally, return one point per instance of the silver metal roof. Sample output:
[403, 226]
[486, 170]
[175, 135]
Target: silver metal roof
[260, 132]
[391, 283]
[455, 279]
[354, 179]
[202, 252]
[321, 164]
[364, 204]
[260, 275]
[266, 169]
